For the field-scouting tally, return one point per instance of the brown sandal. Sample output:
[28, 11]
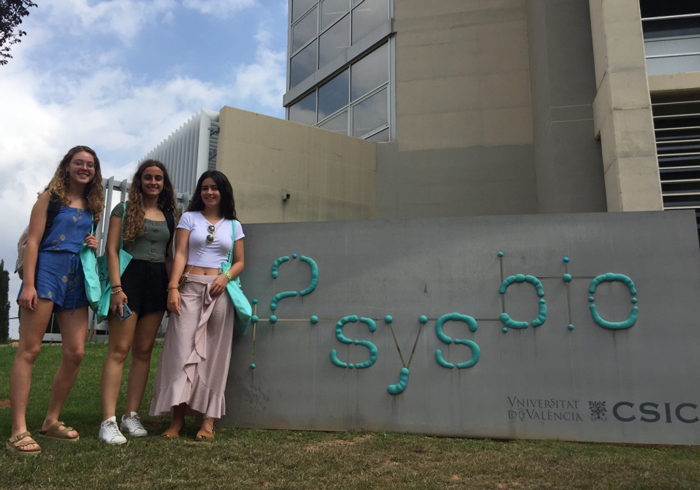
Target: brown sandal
[205, 435]
[55, 432]
[171, 433]
[16, 443]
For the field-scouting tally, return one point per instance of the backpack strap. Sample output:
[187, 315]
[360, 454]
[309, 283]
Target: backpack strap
[51, 212]
[170, 219]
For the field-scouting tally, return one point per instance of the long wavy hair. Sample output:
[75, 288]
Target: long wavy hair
[227, 205]
[135, 216]
[94, 193]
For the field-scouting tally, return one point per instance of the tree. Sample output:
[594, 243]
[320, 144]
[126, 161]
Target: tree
[11, 13]
[4, 303]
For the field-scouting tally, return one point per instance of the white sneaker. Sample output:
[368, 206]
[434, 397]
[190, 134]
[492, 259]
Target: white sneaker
[109, 432]
[132, 425]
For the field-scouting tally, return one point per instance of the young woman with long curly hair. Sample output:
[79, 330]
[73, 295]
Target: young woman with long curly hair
[148, 226]
[194, 363]
[54, 281]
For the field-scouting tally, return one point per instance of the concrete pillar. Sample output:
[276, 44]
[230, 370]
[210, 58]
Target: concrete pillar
[622, 107]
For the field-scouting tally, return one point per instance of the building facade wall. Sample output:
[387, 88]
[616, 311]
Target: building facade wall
[462, 74]
[327, 176]
[568, 158]
[674, 82]
[464, 138]
[501, 107]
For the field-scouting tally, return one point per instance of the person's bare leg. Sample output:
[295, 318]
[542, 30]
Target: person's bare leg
[73, 325]
[121, 335]
[141, 349]
[32, 328]
[178, 421]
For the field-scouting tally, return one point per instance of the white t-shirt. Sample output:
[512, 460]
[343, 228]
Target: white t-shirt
[201, 253]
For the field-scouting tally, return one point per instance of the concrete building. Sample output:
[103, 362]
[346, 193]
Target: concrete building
[410, 109]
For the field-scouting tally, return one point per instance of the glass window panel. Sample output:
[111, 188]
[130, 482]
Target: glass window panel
[304, 31]
[302, 65]
[334, 41]
[370, 72]
[356, 2]
[337, 124]
[369, 15]
[333, 95]
[379, 137]
[301, 6]
[370, 114]
[655, 29]
[654, 8]
[332, 10]
[304, 111]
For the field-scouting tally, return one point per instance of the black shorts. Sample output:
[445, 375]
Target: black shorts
[146, 286]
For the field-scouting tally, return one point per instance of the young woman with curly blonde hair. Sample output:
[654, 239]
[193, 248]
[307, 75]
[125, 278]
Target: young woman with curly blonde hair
[147, 231]
[54, 281]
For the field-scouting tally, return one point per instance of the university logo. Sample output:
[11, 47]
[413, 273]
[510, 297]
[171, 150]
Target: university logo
[598, 411]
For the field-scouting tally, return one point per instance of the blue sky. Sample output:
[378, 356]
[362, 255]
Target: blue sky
[120, 76]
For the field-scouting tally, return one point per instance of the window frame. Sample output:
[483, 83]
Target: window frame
[352, 5]
[388, 85]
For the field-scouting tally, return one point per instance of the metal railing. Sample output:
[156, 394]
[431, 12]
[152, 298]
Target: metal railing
[670, 17]
[677, 130]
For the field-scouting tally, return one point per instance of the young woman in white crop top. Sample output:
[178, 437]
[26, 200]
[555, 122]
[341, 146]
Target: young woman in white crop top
[194, 364]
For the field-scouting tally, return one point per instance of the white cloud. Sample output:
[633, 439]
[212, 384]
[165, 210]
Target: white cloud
[219, 7]
[109, 110]
[263, 80]
[124, 18]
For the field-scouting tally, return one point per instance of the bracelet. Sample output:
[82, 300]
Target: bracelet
[116, 292]
[172, 287]
[228, 275]
[172, 284]
[116, 286]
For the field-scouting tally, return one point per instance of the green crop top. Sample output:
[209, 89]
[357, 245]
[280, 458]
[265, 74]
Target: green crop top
[152, 245]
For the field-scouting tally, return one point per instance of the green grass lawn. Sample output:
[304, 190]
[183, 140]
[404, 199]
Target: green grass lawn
[242, 458]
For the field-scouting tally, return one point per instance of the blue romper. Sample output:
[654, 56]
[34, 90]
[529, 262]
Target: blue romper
[59, 273]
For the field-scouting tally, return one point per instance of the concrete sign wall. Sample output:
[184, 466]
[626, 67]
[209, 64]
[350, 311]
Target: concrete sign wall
[583, 327]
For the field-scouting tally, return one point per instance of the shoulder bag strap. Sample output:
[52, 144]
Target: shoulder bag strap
[233, 241]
